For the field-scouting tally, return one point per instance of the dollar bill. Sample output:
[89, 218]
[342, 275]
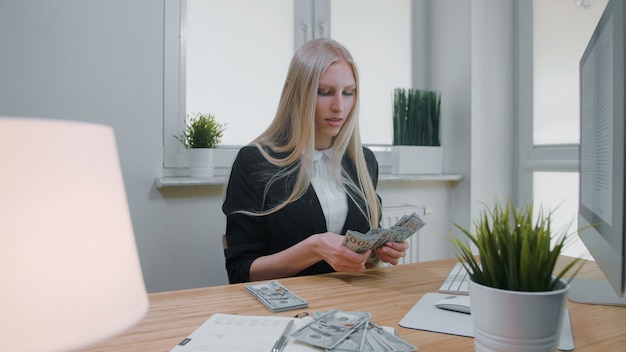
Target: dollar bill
[359, 242]
[379, 340]
[276, 297]
[354, 342]
[410, 222]
[376, 237]
[369, 337]
[330, 329]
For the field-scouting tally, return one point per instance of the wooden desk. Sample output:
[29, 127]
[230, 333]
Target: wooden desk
[388, 293]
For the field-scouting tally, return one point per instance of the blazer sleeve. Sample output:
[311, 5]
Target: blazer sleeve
[356, 220]
[372, 165]
[244, 233]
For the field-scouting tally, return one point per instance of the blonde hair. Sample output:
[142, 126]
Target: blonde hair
[292, 132]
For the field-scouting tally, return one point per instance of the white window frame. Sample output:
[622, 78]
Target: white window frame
[174, 84]
[538, 158]
[530, 157]
[311, 20]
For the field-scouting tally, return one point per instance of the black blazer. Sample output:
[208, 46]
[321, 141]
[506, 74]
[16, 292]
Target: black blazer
[250, 237]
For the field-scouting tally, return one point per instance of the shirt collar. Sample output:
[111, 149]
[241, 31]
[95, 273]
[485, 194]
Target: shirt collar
[318, 154]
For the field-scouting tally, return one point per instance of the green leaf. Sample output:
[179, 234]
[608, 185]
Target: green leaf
[202, 131]
[514, 251]
[416, 117]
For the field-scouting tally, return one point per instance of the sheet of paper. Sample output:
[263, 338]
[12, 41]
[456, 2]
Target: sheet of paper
[240, 333]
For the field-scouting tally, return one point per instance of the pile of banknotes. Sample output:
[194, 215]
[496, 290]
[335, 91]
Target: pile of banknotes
[341, 331]
[276, 297]
[404, 228]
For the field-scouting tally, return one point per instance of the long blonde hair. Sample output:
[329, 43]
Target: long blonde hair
[292, 132]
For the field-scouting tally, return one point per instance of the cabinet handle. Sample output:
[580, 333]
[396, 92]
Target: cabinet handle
[305, 32]
[322, 29]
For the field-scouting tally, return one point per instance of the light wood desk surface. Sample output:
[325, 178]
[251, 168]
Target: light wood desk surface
[388, 293]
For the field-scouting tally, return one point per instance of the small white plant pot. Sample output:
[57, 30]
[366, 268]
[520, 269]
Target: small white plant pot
[517, 321]
[416, 160]
[201, 162]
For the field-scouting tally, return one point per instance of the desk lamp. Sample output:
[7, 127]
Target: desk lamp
[69, 270]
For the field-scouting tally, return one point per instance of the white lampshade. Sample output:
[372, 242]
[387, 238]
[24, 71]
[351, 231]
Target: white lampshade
[69, 270]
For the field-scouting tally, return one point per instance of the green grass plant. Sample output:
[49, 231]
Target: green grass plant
[514, 250]
[416, 117]
[202, 131]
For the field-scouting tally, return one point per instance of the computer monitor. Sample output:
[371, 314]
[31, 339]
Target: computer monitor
[602, 204]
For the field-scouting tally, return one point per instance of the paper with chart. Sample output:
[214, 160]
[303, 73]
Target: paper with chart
[406, 226]
[238, 333]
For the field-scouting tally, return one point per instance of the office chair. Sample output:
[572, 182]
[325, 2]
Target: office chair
[224, 241]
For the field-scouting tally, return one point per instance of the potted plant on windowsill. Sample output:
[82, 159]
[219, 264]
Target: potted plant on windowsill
[201, 135]
[416, 132]
[517, 301]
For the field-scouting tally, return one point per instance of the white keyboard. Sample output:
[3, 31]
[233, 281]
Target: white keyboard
[457, 282]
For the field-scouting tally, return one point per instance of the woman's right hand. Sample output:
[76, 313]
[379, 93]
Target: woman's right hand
[322, 246]
[329, 246]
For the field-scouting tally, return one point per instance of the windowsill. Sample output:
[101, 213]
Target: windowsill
[222, 180]
[420, 177]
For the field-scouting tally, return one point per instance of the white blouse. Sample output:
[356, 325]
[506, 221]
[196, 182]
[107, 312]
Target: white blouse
[331, 195]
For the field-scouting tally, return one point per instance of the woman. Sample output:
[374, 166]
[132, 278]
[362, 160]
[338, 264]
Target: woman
[307, 179]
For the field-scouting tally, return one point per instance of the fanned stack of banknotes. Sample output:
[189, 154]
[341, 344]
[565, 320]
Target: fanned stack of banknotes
[404, 228]
[341, 331]
[276, 297]
[335, 330]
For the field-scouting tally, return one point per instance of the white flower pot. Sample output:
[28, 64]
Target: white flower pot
[201, 162]
[517, 321]
[416, 160]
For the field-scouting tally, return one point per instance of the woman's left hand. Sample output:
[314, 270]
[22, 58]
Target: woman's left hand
[392, 252]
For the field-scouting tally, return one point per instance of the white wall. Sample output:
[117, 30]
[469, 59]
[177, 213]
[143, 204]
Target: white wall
[447, 51]
[470, 56]
[493, 102]
[102, 61]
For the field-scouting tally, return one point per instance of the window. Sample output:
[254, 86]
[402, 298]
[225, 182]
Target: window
[230, 58]
[562, 25]
[237, 61]
[379, 37]
[556, 132]
[222, 45]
